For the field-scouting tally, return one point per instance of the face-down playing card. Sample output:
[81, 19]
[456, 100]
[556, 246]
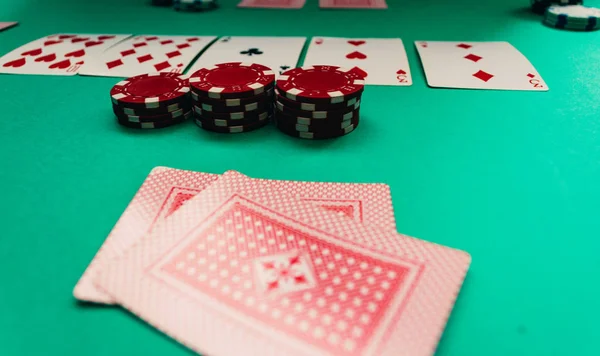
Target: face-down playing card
[241, 268]
[165, 190]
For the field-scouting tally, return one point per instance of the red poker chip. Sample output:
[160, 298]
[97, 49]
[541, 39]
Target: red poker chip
[341, 114]
[317, 126]
[232, 115]
[155, 125]
[316, 135]
[218, 109]
[207, 125]
[148, 91]
[228, 123]
[316, 106]
[230, 103]
[232, 80]
[151, 118]
[320, 84]
[152, 112]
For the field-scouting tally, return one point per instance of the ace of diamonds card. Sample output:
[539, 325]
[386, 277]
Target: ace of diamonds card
[478, 65]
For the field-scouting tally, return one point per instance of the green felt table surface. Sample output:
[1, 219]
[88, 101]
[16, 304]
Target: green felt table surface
[511, 177]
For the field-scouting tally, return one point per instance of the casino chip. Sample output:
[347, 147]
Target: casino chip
[151, 101]
[212, 126]
[317, 135]
[233, 80]
[194, 5]
[156, 118]
[575, 17]
[232, 97]
[314, 115]
[319, 102]
[540, 6]
[151, 91]
[155, 125]
[320, 84]
[316, 107]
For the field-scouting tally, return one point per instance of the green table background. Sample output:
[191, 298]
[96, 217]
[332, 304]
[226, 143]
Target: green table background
[511, 177]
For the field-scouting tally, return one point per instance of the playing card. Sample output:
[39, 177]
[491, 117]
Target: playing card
[275, 4]
[6, 25]
[383, 61]
[353, 4]
[277, 53]
[60, 54]
[147, 54]
[478, 65]
[166, 189]
[243, 269]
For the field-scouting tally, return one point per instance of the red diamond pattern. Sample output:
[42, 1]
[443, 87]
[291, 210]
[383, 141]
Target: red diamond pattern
[193, 39]
[531, 75]
[173, 54]
[162, 65]
[166, 42]
[127, 52]
[473, 57]
[140, 44]
[114, 63]
[183, 45]
[145, 58]
[464, 46]
[153, 38]
[484, 76]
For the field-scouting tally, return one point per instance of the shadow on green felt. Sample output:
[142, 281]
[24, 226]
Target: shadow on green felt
[89, 307]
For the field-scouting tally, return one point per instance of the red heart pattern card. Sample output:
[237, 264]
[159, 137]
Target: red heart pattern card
[382, 61]
[243, 268]
[165, 190]
[59, 54]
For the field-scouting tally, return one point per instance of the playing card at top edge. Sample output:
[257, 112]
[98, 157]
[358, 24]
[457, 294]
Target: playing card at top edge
[242, 268]
[59, 54]
[353, 4]
[274, 4]
[478, 65]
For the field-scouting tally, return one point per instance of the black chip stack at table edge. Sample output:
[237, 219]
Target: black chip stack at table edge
[232, 97]
[318, 102]
[152, 101]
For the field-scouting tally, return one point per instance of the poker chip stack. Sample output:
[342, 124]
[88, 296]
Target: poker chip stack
[152, 101]
[540, 6]
[194, 5]
[232, 97]
[318, 102]
[575, 17]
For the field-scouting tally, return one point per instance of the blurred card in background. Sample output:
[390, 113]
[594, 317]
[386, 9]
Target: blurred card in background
[353, 4]
[274, 4]
[6, 25]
